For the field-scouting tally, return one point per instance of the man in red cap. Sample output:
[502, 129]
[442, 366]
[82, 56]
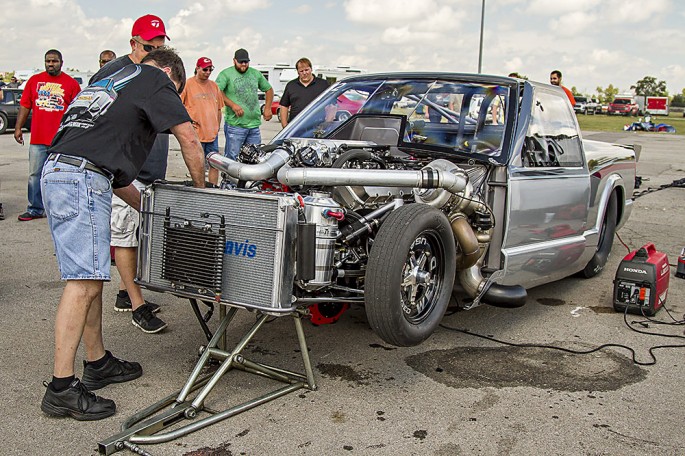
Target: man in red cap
[148, 33]
[203, 100]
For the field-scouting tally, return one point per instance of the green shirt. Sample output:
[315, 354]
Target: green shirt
[242, 89]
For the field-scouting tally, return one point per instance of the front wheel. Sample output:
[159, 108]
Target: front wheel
[3, 123]
[410, 274]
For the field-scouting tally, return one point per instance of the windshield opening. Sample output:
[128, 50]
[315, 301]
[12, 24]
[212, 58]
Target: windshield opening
[463, 117]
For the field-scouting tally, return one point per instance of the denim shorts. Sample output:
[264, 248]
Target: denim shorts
[78, 203]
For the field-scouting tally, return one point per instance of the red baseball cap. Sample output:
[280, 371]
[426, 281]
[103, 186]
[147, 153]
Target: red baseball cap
[204, 62]
[149, 27]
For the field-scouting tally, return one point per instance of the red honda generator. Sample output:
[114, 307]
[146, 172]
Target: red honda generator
[641, 282]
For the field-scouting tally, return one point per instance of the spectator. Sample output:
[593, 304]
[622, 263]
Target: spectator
[203, 100]
[240, 85]
[14, 83]
[97, 152]
[106, 56]
[148, 33]
[300, 92]
[555, 79]
[48, 94]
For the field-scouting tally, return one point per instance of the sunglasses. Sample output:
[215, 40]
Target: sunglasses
[243, 61]
[148, 47]
[208, 69]
[105, 61]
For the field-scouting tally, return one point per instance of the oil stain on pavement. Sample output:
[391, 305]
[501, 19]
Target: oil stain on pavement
[480, 367]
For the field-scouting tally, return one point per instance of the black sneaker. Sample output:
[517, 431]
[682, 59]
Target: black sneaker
[124, 305]
[144, 319]
[115, 370]
[76, 402]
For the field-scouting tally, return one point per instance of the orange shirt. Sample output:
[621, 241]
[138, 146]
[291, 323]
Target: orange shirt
[569, 94]
[203, 102]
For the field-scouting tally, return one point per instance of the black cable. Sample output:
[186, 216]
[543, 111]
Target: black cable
[675, 183]
[651, 350]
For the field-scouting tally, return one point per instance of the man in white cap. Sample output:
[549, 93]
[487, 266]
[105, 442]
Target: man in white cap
[203, 100]
[148, 33]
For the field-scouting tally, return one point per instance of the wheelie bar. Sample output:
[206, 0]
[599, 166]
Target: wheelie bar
[147, 425]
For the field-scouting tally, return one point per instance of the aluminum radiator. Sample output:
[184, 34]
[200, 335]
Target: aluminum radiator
[231, 246]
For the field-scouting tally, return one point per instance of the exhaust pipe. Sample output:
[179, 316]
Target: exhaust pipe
[509, 296]
[468, 243]
[246, 172]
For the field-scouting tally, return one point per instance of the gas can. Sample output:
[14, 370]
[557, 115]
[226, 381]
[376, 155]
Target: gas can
[641, 282]
[680, 270]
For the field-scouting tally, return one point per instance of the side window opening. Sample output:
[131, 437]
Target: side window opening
[552, 139]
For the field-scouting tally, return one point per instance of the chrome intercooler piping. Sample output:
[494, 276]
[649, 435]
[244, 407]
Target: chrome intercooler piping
[423, 178]
[249, 172]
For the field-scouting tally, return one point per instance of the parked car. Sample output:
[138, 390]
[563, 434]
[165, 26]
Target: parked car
[275, 103]
[587, 105]
[390, 211]
[9, 109]
[625, 106]
[348, 105]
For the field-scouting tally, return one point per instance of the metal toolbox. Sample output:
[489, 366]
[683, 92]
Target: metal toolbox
[230, 246]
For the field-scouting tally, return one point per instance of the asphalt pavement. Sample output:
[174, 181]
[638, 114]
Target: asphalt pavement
[456, 394]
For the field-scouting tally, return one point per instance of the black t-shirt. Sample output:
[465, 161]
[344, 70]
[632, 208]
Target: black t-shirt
[156, 163]
[297, 96]
[113, 122]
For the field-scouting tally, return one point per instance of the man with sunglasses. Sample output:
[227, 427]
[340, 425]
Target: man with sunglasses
[240, 85]
[148, 33]
[203, 100]
[106, 56]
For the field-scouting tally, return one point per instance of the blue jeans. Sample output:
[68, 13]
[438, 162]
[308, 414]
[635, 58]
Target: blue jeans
[38, 153]
[237, 136]
[78, 203]
[212, 146]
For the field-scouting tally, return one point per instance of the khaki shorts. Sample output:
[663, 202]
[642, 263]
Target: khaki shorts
[125, 221]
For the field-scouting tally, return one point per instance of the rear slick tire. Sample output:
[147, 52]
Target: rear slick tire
[606, 239]
[410, 274]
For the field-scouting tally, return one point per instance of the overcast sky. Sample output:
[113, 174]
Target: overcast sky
[593, 42]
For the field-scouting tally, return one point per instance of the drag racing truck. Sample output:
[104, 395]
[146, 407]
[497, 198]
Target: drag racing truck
[405, 207]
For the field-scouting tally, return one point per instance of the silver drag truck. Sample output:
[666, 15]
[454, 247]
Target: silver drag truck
[440, 187]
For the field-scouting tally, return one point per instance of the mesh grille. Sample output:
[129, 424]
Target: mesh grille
[192, 256]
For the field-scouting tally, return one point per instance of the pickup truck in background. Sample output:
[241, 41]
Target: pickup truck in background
[587, 105]
[625, 106]
[652, 105]
[394, 211]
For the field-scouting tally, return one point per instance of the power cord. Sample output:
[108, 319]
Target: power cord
[675, 183]
[651, 350]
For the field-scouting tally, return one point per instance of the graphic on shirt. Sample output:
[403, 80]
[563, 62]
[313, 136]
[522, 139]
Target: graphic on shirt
[96, 99]
[50, 96]
[246, 93]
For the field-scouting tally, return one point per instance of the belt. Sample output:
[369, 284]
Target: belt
[74, 161]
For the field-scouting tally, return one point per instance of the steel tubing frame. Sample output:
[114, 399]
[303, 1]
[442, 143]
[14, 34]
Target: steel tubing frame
[146, 426]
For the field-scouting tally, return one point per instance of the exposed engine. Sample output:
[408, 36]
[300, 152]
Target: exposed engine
[348, 188]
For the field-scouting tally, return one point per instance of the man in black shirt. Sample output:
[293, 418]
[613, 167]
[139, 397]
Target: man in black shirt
[148, 33]
[104, 139]
[300, 92]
